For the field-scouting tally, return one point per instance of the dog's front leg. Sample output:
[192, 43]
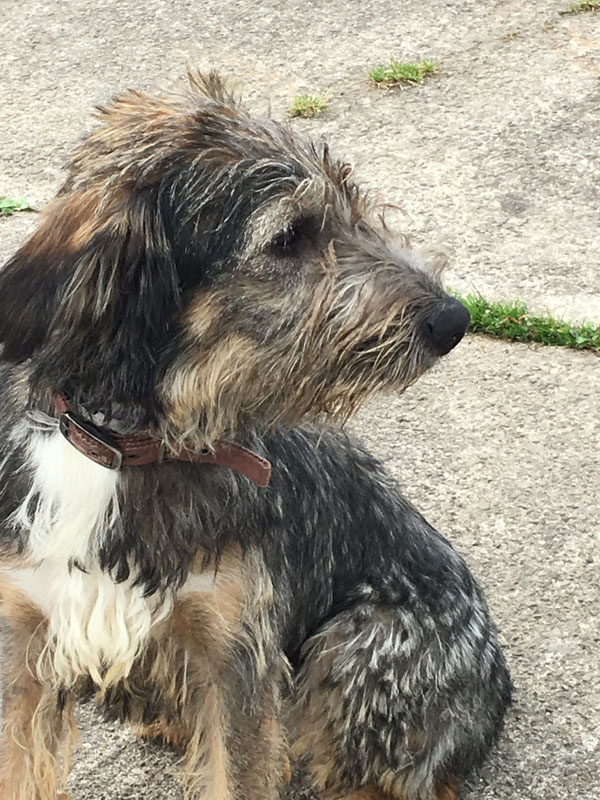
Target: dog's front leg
[32, 729]
[33, 713]
[228, 694]
[236, 751]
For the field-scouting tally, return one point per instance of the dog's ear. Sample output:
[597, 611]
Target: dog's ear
[90, 297]
[32, 279]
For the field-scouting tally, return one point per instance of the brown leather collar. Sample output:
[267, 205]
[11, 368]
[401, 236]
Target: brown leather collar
[116, 451]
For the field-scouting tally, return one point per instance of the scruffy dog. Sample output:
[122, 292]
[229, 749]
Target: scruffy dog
[178, 539]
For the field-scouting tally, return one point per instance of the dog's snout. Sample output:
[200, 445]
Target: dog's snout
[446, 325]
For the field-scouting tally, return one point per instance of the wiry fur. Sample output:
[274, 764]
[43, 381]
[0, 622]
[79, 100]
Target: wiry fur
[207, 275]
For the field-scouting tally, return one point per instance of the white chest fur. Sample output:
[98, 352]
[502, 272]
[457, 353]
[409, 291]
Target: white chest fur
[96, 626]
[71, 503]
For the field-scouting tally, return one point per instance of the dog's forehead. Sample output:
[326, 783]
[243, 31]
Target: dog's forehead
[143, 140]
[276, 174]
[257, 145]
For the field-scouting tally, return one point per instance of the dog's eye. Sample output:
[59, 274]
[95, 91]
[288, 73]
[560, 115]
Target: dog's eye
[289, 238]
[285, 239]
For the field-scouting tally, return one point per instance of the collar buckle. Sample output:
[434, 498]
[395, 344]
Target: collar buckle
[90, 440]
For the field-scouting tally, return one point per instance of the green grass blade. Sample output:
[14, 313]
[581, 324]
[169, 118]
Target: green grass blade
[8, 206]
[512, 321]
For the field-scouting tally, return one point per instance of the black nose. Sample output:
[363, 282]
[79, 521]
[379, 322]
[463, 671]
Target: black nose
[446, 326]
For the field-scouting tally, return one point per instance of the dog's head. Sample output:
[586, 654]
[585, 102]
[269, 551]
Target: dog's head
[207, 270]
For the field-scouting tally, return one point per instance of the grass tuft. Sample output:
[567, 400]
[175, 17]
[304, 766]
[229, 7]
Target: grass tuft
[309, 105]
[9, 206]
[512, 321]
[577, 8]
[396, 73]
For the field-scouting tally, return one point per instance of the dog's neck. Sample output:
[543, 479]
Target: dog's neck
[113, 449]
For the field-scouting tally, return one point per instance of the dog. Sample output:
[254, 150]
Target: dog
[186, 532]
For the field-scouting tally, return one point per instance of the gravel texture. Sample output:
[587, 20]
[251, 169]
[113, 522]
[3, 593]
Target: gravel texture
[497, 158]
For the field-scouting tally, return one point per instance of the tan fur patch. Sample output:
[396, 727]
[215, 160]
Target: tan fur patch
[219, 593]
[204, 392]
[33, 727]
[206, 770]
[315, 743]
[447, 790]
[202, 315]
[66, 224]
[169, 733]
[84, 221]
[16, 608]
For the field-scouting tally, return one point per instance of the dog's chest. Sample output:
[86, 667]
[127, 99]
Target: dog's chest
[96, 626]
